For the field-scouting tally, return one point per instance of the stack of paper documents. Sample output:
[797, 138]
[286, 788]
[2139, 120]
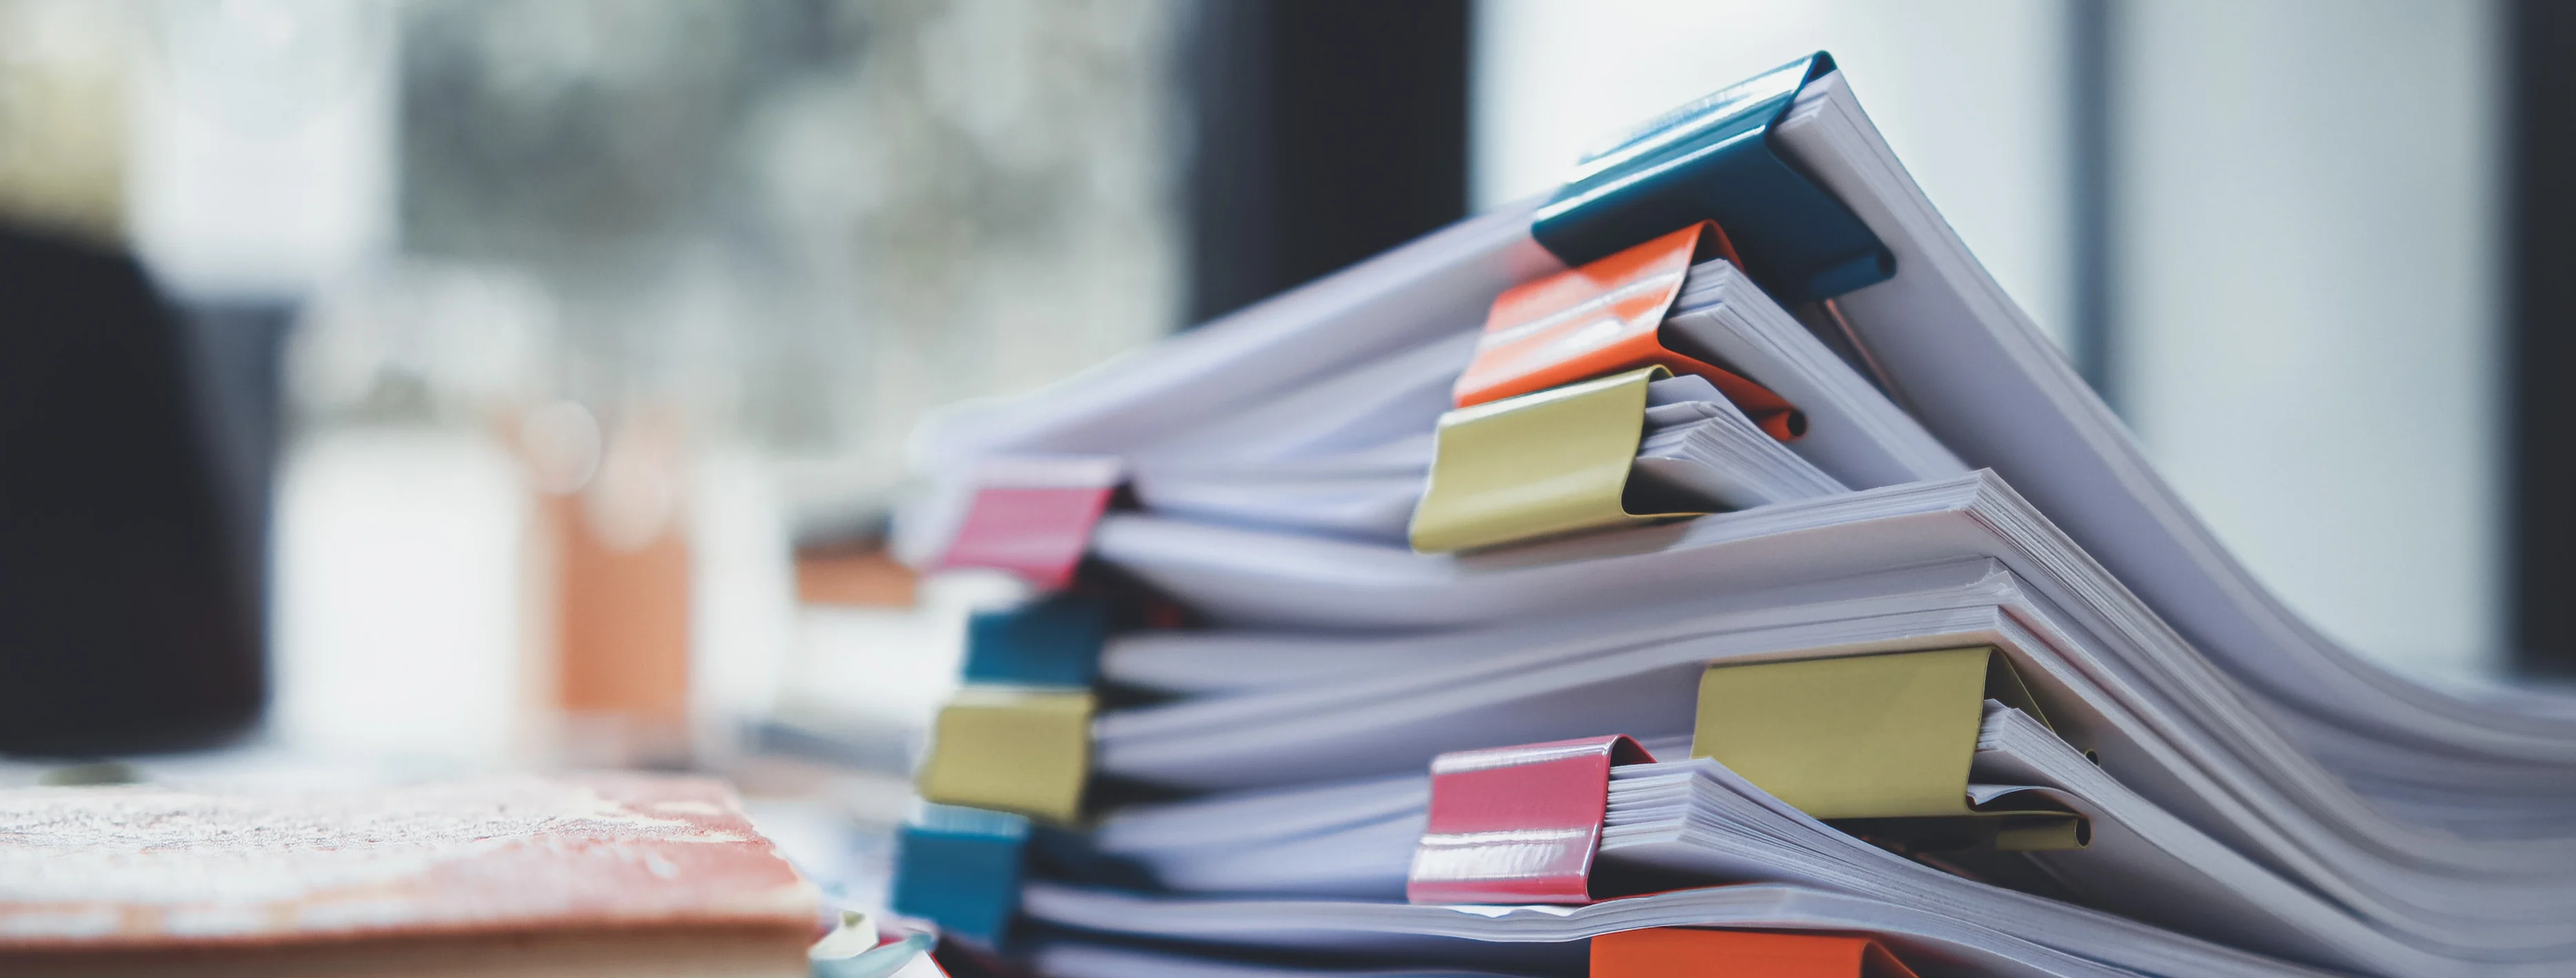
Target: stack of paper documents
[1709, 563]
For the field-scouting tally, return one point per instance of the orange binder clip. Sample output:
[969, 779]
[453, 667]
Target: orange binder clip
[1604, 318]
[1677, 952]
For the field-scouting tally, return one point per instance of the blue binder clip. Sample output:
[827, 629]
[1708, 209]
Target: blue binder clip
[1713, 159]
[960, 868]
[1052, 642]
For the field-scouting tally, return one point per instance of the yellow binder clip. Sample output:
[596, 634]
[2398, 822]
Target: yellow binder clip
[1875, 737]
[1011, 749]
[1537, 465]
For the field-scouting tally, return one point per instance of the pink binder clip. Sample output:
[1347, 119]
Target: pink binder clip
[1033, 517]
[1517, 824]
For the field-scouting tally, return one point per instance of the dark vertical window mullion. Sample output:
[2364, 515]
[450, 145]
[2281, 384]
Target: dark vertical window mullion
[2541, 351]
[1324, 131]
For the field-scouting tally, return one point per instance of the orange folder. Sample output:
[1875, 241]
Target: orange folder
[1681, 952]
[1604, 318]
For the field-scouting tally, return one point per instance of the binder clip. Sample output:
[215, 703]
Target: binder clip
[1534, 466]
[1878, 744]
[960, 868]
[1682, 952]
[1517, 824]
[1606, 317]
[1054, 641]
[1033, 517]
[1715, 159]
[1011, 749]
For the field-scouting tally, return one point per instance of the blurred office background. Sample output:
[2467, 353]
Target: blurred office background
[552, 363]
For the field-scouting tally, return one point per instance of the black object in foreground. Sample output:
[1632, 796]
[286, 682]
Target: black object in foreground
[122, 626]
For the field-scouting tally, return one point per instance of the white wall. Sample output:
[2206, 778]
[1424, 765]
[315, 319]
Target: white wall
[1967, 93]
[2307, 312]
[262, 144]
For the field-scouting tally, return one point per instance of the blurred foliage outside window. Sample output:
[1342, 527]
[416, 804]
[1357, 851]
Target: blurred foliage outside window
[799, 223]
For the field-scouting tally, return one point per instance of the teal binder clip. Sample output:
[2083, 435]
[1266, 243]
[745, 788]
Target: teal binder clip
[1054, 641]
[1713, 159]
[960, 868]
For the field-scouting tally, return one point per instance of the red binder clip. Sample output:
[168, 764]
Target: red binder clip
[1033, 517]
[1517, 824]
[1605, 318]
